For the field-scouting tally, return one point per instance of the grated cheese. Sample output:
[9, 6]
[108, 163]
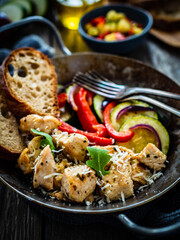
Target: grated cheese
[107, 185]
[138, 175]
[122, 197]
[88, 203]
[57, 151]
[31, 154]
[36, 163]
[151, 180]
[51, 175]
[85, 170]
[120, 159]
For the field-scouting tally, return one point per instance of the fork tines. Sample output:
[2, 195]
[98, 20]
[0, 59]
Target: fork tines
[93, 82]
[96, 75]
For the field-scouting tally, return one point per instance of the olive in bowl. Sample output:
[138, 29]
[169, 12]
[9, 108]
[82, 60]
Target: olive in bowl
[116, 28]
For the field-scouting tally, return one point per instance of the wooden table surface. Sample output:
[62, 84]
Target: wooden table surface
[20, 220]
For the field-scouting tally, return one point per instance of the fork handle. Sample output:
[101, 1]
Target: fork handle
[151, 91]
[154, 102]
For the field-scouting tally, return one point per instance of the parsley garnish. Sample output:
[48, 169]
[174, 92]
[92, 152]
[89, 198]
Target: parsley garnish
[46, 141]
[99, 159]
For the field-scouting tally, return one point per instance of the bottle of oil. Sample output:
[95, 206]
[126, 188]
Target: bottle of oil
[70, 11]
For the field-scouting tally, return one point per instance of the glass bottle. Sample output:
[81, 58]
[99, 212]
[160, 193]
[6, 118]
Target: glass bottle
[70, 11]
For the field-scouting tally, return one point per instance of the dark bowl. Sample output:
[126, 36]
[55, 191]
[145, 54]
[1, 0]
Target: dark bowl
[136, 14]
[121, 70]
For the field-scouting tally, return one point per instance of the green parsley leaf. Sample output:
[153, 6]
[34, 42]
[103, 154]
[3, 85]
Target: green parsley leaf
[99, 160]
[46, 141]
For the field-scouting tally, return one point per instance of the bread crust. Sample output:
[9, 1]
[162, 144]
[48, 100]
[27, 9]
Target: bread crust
[18, 107]
[21, 108]
[6, 154]
[6, 151]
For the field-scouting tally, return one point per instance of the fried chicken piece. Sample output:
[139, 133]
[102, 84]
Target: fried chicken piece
[44, 170]
[42, 123]
[78, 182]
[152, 157]
[74, 145]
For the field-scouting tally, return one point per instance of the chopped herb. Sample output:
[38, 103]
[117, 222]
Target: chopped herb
[99, 159]
[46, 141]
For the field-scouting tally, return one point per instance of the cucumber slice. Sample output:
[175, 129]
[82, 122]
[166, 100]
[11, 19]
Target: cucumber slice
[117, 123]
[41, 6]
[97, 104]
[142, 137]
[68, 89]
[60, 85]
[25, 5]
[140, 140]
[13, 11]
[65, 115]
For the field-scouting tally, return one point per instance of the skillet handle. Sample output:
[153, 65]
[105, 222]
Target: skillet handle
[38, 19]
[149, 232]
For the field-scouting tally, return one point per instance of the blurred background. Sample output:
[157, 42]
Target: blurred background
[67, 13]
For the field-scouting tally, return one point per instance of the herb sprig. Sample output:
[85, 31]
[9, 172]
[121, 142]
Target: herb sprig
[46, 141]
[99, 159]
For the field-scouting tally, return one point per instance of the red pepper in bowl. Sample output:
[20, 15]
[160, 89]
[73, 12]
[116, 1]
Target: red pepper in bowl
[93, 138]
[62, 98]
[123, 136]
[86, 116]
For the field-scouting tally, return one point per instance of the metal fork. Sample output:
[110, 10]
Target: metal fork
[153, 102]
[104, 87]
[87, 81]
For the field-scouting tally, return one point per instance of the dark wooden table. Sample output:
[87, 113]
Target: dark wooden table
[20, 220]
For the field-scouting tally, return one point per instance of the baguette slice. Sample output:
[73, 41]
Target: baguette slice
[30, 83]
[11, 143]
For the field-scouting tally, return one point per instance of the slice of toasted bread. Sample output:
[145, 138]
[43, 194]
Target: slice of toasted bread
[30, 83]
[11, 143]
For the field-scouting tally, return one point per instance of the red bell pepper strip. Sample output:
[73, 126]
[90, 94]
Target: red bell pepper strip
[62, 98]
[92, 137]
[123, 136]
[89, 97]
[101, 130]
[86, 116]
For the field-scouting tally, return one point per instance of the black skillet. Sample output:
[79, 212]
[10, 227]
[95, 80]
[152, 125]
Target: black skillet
[122, 70]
